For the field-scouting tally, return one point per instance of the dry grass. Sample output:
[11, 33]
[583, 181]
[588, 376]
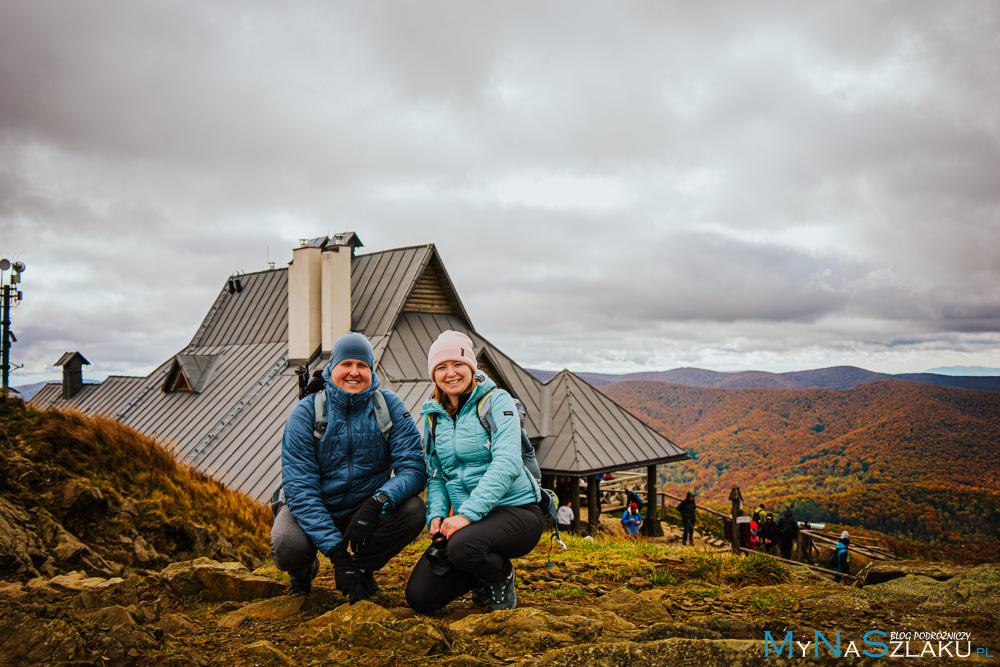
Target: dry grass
[126, 464]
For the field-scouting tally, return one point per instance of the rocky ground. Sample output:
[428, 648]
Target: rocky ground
[204, 612]
[105, 566]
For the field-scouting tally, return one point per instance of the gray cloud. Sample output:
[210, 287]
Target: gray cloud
[643, 186]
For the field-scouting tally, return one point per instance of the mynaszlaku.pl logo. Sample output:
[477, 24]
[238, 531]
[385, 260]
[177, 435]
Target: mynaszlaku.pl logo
[875, 644]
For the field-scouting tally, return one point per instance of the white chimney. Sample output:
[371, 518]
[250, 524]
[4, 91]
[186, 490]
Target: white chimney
[304, 290]
[336, 291]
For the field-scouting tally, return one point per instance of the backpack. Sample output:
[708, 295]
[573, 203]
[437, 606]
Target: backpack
[546, 498]
[320, 419]
[382, 416]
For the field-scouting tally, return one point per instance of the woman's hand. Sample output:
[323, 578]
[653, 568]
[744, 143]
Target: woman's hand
[453, 524]
[435, 527]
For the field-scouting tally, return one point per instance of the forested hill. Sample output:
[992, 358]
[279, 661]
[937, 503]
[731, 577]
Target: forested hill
[913, 460]
[837, 377]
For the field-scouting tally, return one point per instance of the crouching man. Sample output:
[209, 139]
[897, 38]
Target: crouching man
[349, 487]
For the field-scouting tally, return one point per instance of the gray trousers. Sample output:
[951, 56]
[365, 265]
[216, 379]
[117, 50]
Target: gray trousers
[293, 552]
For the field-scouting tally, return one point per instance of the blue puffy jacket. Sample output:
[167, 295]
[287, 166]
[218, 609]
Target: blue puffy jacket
[352, 461]
[468, 471]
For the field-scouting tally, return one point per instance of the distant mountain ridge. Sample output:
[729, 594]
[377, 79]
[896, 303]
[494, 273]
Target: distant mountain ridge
[835, 377]
[26, 391]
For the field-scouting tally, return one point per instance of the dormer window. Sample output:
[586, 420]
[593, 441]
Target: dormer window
[189, 372]
[181, 383]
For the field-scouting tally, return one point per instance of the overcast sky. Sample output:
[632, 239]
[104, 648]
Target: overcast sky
[613, 187]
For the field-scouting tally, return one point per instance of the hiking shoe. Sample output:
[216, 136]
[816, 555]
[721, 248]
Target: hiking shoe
[302, 587]
[299, 588]
[502, 593]
[481, 594]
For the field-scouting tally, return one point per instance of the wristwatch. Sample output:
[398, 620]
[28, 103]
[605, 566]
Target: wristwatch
[383, 500]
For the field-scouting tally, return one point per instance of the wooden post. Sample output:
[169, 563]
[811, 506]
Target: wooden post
[736, 498]
[574, 493]
[593, 516]
[651, 525]
[548, 482]
[663, 506]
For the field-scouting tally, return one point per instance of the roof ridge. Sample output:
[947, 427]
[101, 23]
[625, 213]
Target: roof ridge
[408, 247]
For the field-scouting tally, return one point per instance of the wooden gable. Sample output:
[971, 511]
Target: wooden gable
[433, 292]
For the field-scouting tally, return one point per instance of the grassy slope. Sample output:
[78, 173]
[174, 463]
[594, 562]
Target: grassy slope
[128, 466]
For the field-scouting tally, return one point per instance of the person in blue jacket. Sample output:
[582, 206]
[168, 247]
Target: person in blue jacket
[482, 504]
[632, 520]
[352, 487]
[841, 556]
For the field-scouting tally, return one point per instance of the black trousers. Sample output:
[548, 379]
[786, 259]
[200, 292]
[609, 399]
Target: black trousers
[688, 532]
[293, 552]
[480, 551]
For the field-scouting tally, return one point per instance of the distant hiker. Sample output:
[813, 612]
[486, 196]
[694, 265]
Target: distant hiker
[604, 476]
[769, 535]
[759, 515]
[349, 486]
[562, 491]
[840, 560]
[788, 532]
[754, 539]
[564, 517]
[689, 512]
[633, 497]
[481, 478]
[632, 520]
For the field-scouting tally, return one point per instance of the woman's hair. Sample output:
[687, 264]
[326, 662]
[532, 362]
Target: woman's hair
[441, 398]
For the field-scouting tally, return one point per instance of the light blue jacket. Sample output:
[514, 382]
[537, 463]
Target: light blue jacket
[468, 471]
[351, 462]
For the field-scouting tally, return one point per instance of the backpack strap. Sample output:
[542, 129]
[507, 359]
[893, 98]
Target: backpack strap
[485, 414]
[429, 449]
[382, 416]
[320, 415]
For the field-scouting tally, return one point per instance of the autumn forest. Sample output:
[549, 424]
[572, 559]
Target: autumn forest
[916, 462]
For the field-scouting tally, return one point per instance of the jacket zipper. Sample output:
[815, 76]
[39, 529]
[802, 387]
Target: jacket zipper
[350, 451]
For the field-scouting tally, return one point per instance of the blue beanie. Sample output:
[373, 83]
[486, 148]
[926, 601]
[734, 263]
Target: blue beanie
[352, 346]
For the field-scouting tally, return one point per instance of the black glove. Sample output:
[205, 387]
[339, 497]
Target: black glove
[346, 575]
[363, 524]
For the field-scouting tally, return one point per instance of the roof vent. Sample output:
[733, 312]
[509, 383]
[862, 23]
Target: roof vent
[349, 239]
[72, 367]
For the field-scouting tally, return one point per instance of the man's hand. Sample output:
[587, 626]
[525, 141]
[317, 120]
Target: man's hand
[345, 574]
[453, 524]
[435, 526]
[363, 524]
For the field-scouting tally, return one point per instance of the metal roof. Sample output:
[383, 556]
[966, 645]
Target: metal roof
[382, 281]
[258, 313]
[92, 399]
[591, 433]
[232, 426]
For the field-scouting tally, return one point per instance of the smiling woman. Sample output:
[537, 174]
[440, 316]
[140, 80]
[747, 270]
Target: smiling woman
[483, 504]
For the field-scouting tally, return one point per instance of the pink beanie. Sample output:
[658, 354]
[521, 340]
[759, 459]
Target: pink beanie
[450, 346]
